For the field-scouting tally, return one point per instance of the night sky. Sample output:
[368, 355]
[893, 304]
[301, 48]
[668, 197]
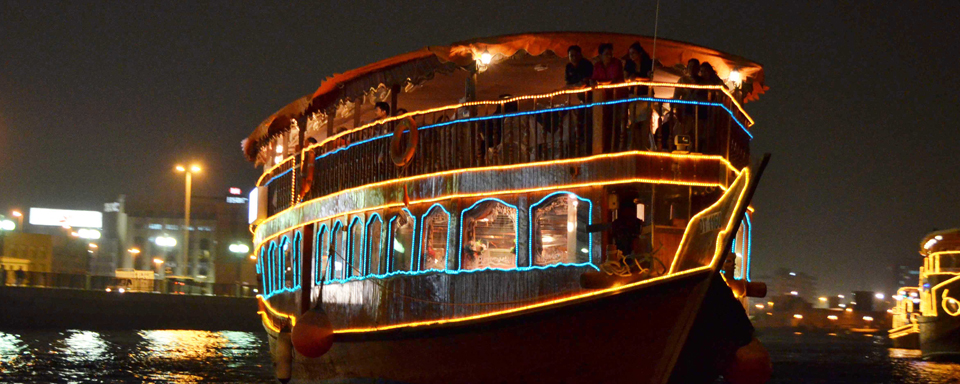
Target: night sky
[100, 99]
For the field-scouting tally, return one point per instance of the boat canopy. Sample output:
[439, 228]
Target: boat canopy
[522, 64]
[940, 241]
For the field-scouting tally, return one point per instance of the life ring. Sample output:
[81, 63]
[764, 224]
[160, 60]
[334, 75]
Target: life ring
[306, 174]
[403, 156]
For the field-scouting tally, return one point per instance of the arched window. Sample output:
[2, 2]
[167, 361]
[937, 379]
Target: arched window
[355, 254]
[373, 239]
[296, 261]
[320, 258]
[558, 230]
[337, 251]
[284, 269]
[434, 245]
[271, 270]
[488, 235]
[403, 226]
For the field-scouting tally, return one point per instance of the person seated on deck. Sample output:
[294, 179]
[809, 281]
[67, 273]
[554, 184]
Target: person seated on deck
[382, 110]
[341, 141]
[579, 70]
[608, 69]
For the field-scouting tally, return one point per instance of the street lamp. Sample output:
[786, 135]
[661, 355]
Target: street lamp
[186, 215]
[19, 217]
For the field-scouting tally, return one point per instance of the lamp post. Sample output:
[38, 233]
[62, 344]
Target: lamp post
[185, 257]
[19, 217]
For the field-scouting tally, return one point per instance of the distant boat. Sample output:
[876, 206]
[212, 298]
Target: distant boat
[939, 320]
[474, 239]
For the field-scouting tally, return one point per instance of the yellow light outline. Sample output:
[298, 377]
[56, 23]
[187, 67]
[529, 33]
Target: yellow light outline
[518, 98]
[943, 303]
[525, 165]
[581, 295]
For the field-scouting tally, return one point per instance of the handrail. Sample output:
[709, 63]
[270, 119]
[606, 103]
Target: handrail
[303, 152]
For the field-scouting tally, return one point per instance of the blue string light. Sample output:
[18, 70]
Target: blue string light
[548, 110]
[589, 222]
[425, 232]
[366, 246]
[515, 225]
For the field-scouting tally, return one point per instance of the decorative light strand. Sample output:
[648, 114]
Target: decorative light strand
[549, 95]
[637, 153]
[578, 296]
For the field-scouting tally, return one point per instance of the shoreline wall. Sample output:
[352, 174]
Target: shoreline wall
[54, 308]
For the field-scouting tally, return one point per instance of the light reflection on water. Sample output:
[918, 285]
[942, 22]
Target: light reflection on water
[169, 356]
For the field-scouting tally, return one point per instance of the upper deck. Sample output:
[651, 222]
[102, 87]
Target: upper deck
[543, 125]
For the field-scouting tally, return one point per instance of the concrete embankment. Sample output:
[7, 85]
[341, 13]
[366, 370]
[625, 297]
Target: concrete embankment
[52, 308]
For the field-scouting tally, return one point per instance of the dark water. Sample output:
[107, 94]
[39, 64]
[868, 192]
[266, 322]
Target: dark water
[74, 356]
[804, 357]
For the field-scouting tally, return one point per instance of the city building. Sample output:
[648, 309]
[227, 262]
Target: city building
[29, 251]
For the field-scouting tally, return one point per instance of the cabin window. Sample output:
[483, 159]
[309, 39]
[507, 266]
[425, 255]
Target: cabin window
[285, 262]
[436, 232]
[559, 230]
[337, 251]
[374, 243]
[321, 260]
[402, 228]
[489, 235]
[356, 248]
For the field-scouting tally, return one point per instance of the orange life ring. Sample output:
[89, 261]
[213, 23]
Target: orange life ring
[306, 173]
[403, 156]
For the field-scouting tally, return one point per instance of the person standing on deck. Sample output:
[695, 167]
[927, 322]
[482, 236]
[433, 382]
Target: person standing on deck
[608, 69]
[579, 70]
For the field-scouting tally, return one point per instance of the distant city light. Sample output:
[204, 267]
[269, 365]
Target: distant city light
[842, 305]
[239, 248]
[793, 273]
[86, 233]
[938, 237]
[121, 290]
[165, 241]
[840, 296]
[879, 296]
[822, 299]
[253, 257]
[853, 303]
[759, 306]
[770, 303]
[16, 214]
[235, 191]
[797, 316]
[849, 309]
[832, 317]
[92, 245]
[7, 225]
[868, 318]
[794, 293]
[157, 261]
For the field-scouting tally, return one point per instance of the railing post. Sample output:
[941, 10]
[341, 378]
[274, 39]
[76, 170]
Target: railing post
[598, 115]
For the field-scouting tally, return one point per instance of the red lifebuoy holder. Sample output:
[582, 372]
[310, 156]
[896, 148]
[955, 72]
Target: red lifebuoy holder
[402, 156]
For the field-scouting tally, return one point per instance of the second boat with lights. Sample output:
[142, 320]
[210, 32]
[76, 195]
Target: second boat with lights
[480, 212]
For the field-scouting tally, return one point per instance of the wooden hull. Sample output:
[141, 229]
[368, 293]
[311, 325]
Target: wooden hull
[631, 336]
[908, 341]
[939, 338]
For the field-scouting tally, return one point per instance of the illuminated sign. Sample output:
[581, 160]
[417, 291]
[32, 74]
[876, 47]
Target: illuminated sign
[66, 218]
[165, 241]
[236, 200]
[236, 191]
[111, 207]
[252, 207]
[85, 233]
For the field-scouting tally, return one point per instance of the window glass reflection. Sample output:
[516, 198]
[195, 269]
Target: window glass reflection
[435, 237]
[559, 230]
[489, 233]
[403, 226]
[374, 244]
[356, 248]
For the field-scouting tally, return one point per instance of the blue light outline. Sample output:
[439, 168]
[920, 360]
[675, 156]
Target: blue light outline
[270, 266]
[389, 252]
[350, 246]
[281, 263]
[366, 243]
[516, 225]
[337, 225]
[547, 110]
[530, 241]
[749, 244]
[317, 265]
[423, 237]
[298, 258]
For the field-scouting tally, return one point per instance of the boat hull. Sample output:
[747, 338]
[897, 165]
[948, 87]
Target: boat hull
[908, 341]
[633, 335]
[939, 338]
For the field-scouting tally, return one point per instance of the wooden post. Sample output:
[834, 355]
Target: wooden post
[331, 116]
[598, 136]
[394, 95]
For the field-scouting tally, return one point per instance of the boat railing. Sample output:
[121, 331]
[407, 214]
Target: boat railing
[561, 125]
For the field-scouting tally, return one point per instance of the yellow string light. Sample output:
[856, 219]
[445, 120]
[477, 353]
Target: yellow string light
[518, 98]
[501, 192]
[578, 296]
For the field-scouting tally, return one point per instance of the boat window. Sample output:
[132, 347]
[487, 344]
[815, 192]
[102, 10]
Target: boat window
[337, 251]
[402, 228]
[436, 232]
[321, 259]
[559, 230]
[489, 233]
[374, 244]
[356, 248]
[286, 263]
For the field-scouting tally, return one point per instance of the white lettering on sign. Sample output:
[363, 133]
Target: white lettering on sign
[111, 207]
[710, 222]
